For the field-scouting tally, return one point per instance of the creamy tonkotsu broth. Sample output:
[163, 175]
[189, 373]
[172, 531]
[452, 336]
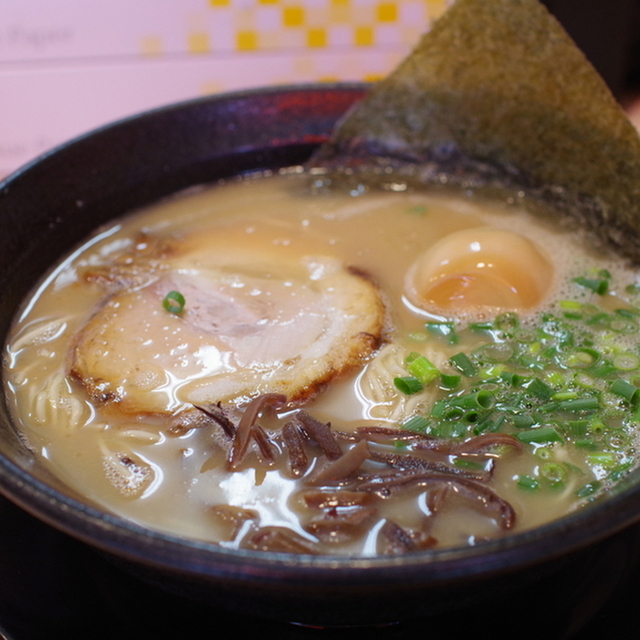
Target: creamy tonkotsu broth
[425, 370]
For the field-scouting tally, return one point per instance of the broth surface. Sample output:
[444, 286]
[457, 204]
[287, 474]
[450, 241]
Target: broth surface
[421, 251]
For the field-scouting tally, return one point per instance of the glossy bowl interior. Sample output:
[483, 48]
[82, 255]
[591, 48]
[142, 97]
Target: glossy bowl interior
[52, 204]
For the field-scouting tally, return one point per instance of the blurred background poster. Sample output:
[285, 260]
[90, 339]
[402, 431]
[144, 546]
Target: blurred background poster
[68, 66]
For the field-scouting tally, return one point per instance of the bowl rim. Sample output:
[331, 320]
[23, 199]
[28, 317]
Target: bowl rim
[129, 540]
[238, 94]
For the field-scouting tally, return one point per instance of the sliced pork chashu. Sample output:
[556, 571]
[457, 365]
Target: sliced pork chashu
[287, 328]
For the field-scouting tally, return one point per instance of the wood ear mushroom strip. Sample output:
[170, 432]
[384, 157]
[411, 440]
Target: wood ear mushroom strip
[243, 432]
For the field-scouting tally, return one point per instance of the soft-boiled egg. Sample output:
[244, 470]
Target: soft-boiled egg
[478, 268]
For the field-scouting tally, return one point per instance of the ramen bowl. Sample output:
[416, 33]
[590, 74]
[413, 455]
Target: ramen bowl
[50, 205]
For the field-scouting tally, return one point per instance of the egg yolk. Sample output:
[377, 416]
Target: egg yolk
[480, 267]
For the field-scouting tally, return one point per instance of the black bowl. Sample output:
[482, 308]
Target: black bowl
[50, 205]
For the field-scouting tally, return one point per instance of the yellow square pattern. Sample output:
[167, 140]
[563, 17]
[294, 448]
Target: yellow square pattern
[322, 24]
[293, 16]
[316, 40]
[247, 40]
[387, 12]
[363, 36]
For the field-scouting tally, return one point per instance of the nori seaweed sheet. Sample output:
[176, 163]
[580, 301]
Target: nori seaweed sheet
[498, 95]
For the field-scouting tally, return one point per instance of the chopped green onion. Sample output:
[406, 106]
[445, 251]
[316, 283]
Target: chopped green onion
[599, 320]
[622, 324]
[488, 424]
[596, 426]
[544, 454]
[553, 473]
[465, 463]
[579, 404]
[626, 390]
[604, 459]
[539, 435]
[580, 358]
[534, 347]
[589, 489]
[449, 381]
[626, 361]
[453, 413]
[422, 368]
[540, 389]
[481, 326]
[408, 385]
[578, 427]
[584, 380]
[555, 378]
[479, 400]
[528, 482]
[416, 423]
[523, 422]
[492, 373]
[449, 430]
[174, 302]
[471, 417]
[572, 305]
[604, 370]
[438, 409]
[514, 379]
[628, 312]
[463, 364]
[585, 443]
[531, 362]
[564, 395]
[599, 286]
[617, 472]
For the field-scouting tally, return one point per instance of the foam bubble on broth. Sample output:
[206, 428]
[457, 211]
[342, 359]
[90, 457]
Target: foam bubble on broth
[131, 463]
